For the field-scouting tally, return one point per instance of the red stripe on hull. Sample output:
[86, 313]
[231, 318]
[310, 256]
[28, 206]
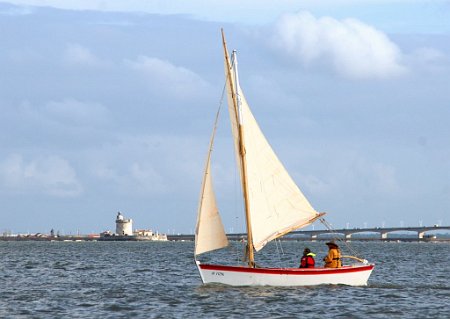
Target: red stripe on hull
[288, 271]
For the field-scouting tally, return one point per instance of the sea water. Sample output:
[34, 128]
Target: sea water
[160, 280]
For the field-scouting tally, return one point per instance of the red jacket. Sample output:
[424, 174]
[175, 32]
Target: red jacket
[307, 261]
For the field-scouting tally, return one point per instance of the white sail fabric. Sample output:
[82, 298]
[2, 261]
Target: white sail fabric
[276, 204]
[209, 233]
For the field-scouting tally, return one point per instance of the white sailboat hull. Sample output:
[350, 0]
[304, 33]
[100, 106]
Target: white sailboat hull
[357, 275]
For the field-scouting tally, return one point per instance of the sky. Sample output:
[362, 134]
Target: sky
[108, 106]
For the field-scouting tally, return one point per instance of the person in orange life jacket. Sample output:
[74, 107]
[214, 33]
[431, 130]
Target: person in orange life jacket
[307, 260]
[333, 259]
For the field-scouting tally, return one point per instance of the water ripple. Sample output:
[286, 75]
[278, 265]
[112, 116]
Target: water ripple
[160, 280]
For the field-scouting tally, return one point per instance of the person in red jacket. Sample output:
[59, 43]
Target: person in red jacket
[307, 260]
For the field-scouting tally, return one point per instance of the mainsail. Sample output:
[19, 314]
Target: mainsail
[276, 204]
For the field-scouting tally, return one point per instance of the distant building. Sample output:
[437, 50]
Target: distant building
[147, 234]
[143, 232]
[124, 232]
[124, 227]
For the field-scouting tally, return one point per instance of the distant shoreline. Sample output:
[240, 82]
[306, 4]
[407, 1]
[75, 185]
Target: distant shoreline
[232, 237]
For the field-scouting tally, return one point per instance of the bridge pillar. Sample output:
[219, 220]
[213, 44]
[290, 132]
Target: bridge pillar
[420, 234]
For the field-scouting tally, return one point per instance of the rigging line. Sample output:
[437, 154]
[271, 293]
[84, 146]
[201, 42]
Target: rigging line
[335, 234]
[329, 227]
[278, 252]
[281, 245]
[236, 250]
[280, 256]
[335, 237]
[220, 104]
[211, 146]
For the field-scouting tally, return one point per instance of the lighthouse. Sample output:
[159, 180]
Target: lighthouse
[124, 227]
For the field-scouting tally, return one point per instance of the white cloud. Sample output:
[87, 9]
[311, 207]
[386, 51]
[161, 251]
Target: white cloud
[145, 179]
[429, 60]
[50, 175]
[385, 179]
[375, 178]
[350, 174]
[74, 112]
[250, 11]
[428, 54]
[352, 48]
[166, 77]
[136, 178]
[151, 165]
[77, 54]
[16, 11]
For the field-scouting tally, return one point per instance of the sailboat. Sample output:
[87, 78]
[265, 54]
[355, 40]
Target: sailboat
[274, 206]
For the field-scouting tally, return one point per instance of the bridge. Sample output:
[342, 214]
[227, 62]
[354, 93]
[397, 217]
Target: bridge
[345, 232]
[348, 232]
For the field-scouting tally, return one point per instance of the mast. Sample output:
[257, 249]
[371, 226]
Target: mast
[250, 253]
